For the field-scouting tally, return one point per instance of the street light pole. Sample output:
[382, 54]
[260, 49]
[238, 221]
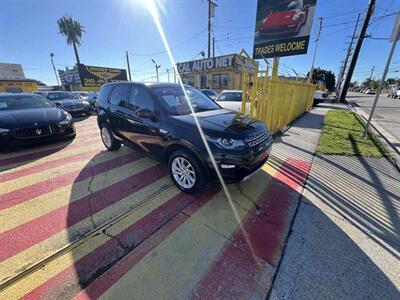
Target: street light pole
[167, 74]
[54, 68]
[315, 50]
[157, 67]
[372, 72]
[128, 65]
[396, 36]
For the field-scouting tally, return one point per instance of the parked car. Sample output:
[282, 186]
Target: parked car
[209, 93]
[92, 99]
[392, 92]
[69, 102]
[286, 20]
[320, 97]
[370, 92]
[28, 118]
[81, 95]
[155, 118]
[230, 99]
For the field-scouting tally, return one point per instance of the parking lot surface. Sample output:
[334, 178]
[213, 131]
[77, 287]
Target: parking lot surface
[81, 222]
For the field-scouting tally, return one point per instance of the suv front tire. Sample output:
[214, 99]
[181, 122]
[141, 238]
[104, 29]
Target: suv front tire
[186, 171]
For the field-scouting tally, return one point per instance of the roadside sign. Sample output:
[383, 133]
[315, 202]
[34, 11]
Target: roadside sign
[395, 28]
[92, 76]
[282, 27]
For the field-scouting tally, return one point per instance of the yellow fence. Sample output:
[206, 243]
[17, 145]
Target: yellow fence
[275, 101]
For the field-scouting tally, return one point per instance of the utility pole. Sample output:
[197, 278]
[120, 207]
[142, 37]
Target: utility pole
[54, 68]
[211, 13]
[213, 47]
[174, 75]
[395, 36]
[168, 74]
[343, 70]
[315, 50]
[357, 49]
[157, 67]
[129, 67]
[372, 72]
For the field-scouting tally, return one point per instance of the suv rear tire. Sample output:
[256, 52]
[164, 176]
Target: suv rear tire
[186, 171]
[108, 139]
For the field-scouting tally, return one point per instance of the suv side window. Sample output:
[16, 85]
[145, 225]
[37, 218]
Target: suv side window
[139, 98]
[104, 93]
[119, 95]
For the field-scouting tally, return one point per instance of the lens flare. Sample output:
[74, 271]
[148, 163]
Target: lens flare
[152, 7]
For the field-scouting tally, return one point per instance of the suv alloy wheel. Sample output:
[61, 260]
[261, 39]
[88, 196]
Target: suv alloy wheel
[186, 171]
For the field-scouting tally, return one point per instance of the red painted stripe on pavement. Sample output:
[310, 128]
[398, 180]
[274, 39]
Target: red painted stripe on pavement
[239, 273]
[24, 194]
[36, 155]
[41, 228]
[143, 236]
[49, 165]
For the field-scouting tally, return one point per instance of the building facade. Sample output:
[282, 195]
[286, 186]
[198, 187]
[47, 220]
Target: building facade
[12, 79]
[217, 73]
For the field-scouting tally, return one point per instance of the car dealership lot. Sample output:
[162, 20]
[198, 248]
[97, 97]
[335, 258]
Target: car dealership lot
[77, 209]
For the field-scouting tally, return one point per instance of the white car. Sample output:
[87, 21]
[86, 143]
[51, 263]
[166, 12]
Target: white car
[320, 97]
[230, 99]
[370, 92]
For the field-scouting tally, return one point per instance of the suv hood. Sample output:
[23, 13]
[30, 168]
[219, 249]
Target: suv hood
[223, 120]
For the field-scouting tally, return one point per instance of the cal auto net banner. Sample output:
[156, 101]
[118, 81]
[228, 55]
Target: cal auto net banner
[92, 76]
[282, 27]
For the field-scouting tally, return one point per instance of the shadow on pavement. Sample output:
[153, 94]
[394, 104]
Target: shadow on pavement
[322, 262]
[12, 157]
[104, 200]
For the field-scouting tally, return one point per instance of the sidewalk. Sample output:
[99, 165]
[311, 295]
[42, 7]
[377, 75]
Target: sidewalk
[345, 240]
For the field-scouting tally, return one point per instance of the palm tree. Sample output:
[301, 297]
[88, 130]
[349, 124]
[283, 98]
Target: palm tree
[73, 31]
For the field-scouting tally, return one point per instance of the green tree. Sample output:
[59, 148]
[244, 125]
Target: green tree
[72, 30]
[325, 76]
[371, 84]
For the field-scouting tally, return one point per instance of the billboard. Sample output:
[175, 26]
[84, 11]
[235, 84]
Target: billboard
[69, 76]
[92, 76]
[282, 27]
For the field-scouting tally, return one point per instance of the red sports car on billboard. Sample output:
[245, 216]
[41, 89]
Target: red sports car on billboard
[287, 19]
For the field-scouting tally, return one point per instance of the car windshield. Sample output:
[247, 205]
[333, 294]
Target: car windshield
[230, 96]
[60, 96]
[18, 102]
[173, 99]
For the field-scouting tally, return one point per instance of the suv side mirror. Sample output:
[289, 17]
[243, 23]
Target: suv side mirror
[145, 113]
[58, 103]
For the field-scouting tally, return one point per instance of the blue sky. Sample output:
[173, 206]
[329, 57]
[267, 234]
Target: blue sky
[29, 33]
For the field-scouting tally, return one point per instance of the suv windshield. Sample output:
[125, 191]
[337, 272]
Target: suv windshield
[60, 96]
[18, 102]
[173, 99]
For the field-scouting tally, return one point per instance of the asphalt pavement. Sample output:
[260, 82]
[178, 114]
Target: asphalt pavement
[386, 116]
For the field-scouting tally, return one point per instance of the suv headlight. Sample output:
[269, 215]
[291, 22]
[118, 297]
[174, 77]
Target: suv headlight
[231, 144]
[86, 103]
[4, 130]
[67, 120]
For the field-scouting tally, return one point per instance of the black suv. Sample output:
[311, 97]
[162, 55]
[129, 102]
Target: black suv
[155, 118]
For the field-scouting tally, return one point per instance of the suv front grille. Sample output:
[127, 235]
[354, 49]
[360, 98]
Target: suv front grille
[35, 132]
[256, 139]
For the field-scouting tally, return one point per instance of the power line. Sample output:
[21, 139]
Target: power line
[177, 45]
